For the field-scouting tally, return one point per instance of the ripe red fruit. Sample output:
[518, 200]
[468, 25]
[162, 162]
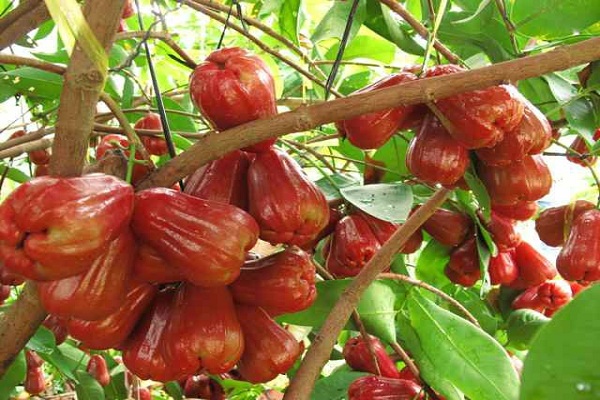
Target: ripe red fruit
[154, 145]
[352, 245]
[223, 180]
[383, 230]
[143, 394]
[533, 267]
[579, 259]
[4, 293]
[58, 327]
[205, 240]
[203, 331]
[546, 298]
[521, 211]
[358, 357]
[288, 207]
[128, 10]
[233, 87]
[99, 291]
[34, 381]
[554, 224]
[371, 131]
[580, 146]
[37, 157]
[463, 268]
[528, 180]
[150, 267]
[503, 269]
[532, 136]
[433, 156]
[450, 228]
[32, 359]
[112, 331]
[203, 387]
[113, 142]
[270, 350]
[380, 388]
[45, 224]
[503, 232]
[98, 369]
[480, 117]
[280, 283]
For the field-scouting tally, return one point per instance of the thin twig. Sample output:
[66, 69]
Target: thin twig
[312, 151]
[510, 27]
[432, 289]
[413, 368]
[162, 36]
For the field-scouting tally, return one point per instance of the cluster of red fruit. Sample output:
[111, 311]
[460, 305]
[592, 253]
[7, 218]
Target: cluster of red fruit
[39, 158]
[160, 274]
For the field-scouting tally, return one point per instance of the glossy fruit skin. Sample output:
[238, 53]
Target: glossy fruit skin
[352, 245]
[371, 131]
[156, 146]
[203, 387]
[335, 215]
[533, 267]
[233, 87]
[580, 146]
[450, 228]
[288, 207]
[203, 331]
[528, 180]
[58, 326]
[521, 211]
[149, 266]
[503, 232]
[281, 283]
[46, 224]
[98, 369]
[463, 268]
[195, 235]
[532, 136]
[579, 259]
[528, 299]
[113, 330]
[143, 394]
[383, 230]
[34, 381]
[270, 350]
[380, 388]
[113, 142]
[433, 156]
[99, 291]
[143, 352]
[554, 224]
[32, 359]
[358, 357]
[546, 298]
[480, 117]
[223, 180]
[503, 269]
[37, 157]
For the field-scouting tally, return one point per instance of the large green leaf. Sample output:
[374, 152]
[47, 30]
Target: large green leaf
[471, 359]
[431, 263]
[333, 23]
[388, 201]
[14, 375]
[335, 386]
[43, 341]
[393, 155]
[33, 82]
[289, 17]
[331, 191]
[367, 47]
[378, 307]
[522, 326]
[563, 358]
[88, 388]
[552, 19]
[14, 174]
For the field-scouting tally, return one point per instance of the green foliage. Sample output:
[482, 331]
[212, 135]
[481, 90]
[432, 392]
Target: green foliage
[389, 202]
[335, 386]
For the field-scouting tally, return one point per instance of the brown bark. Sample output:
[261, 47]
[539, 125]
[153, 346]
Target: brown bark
[81, 88]
[23, 19]
[213, 146]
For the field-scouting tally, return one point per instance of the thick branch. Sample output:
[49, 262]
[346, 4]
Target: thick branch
[319, 350]
[23, 19]
[82, 85]
[213, 146]
[26, 147]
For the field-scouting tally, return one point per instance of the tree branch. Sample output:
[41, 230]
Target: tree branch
[23, 19]
[162, 36]
[213, 146]
[81, 88]
[319, 350]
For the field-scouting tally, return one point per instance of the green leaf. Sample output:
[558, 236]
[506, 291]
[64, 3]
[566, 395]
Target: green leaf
[562, 360]
[15, 174]
[289, 17]
[393, 155]
[381, 20]
[43, 341]
[522, 326]
[581, 115]
[333, 23]
[562, 89]
[377, 307]
[174, 390]
[387, 201]
[67, 359]
[33, 82]
[332, 192]
[476, 306]
[552, 19]
[335, 386]
[480, 192]
[354, 82]
[477, 12]
[88, 388]
[470, 358]
[367, 47]
[431, 263]
[14, 375]
[116, 389]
